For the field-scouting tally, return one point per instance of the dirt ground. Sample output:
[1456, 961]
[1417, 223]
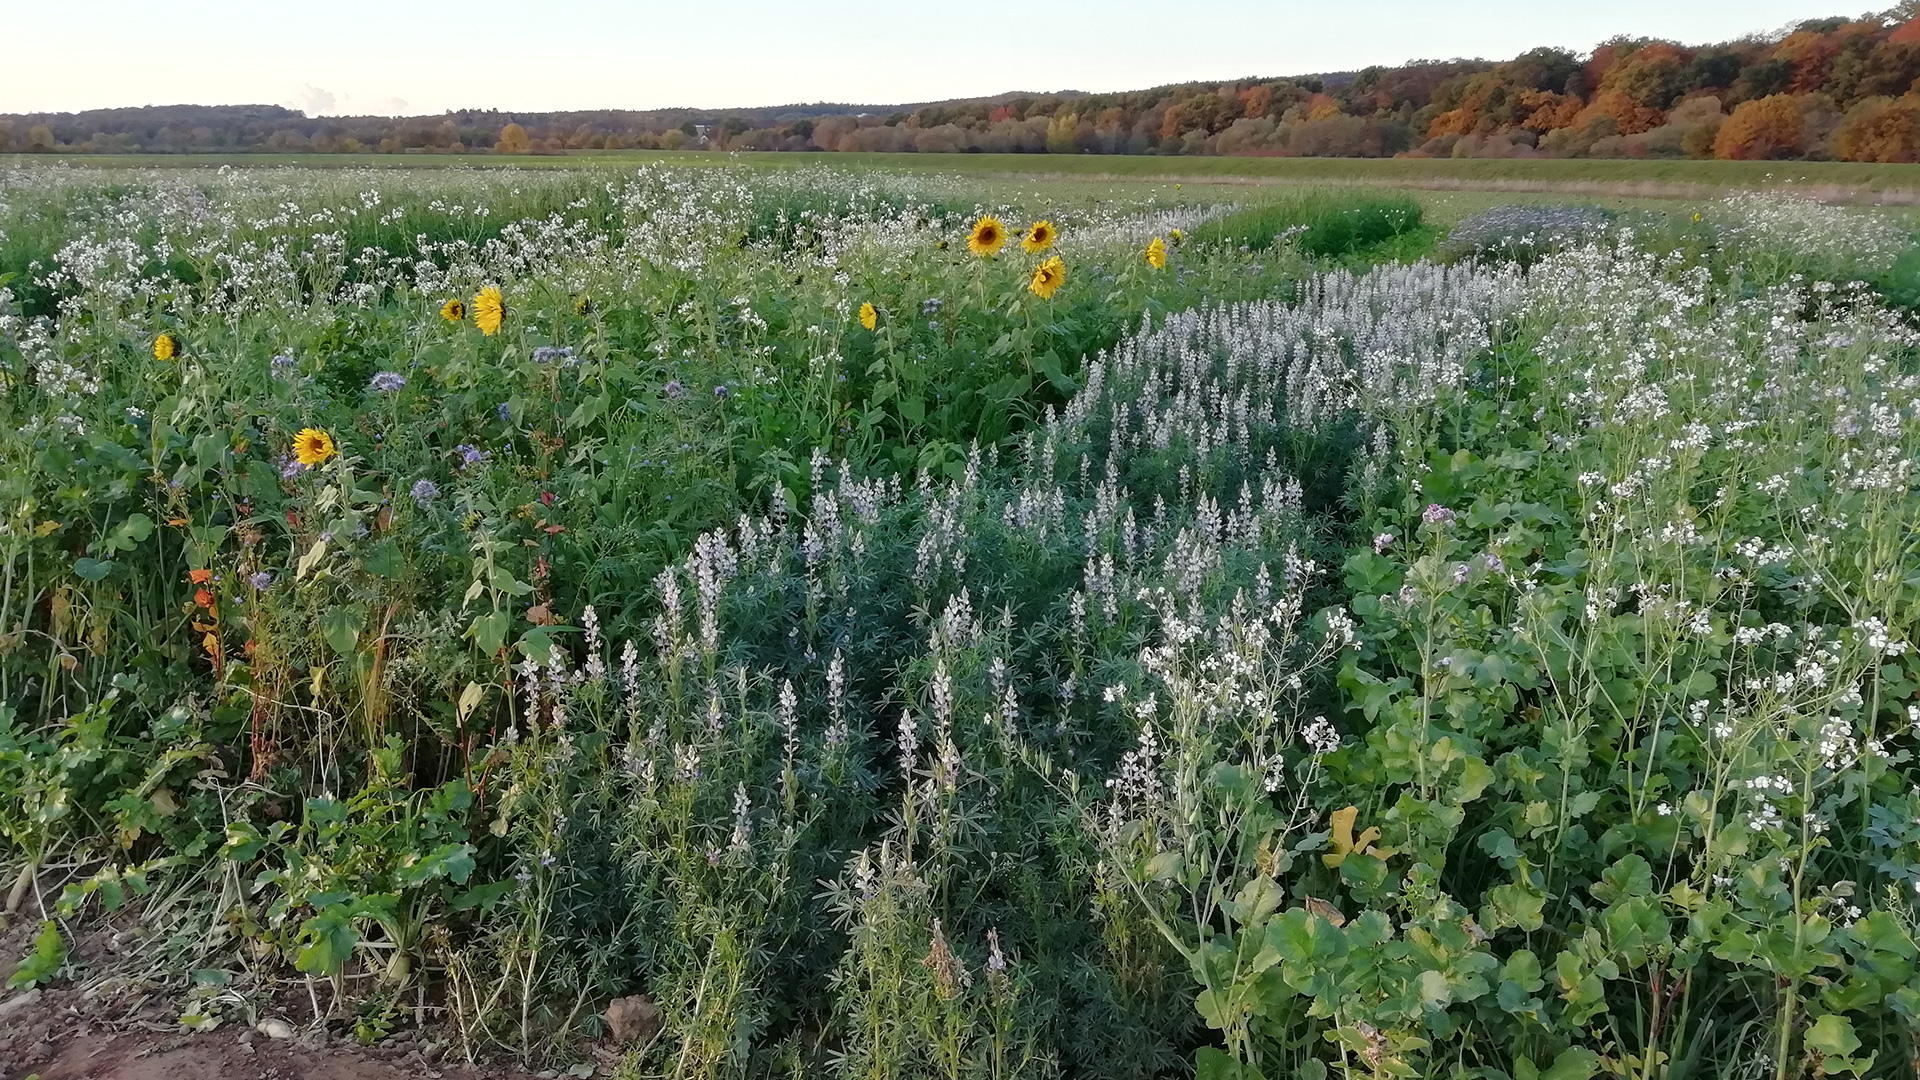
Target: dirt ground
[46, 1041]
[62, 1033]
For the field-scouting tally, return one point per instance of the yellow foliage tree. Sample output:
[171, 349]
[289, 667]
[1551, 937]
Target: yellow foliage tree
[1767, 128]
[513, 140]
[1881, 129]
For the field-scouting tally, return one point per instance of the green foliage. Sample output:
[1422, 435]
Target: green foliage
[43, 964]
[1329, 225]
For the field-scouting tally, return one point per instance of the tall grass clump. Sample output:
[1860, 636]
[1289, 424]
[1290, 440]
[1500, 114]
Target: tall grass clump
[1331, 224]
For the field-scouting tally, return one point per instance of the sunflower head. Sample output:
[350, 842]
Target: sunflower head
[1047, 278]
[453, 311]
[1157, 254]
[987, 236]
[869, 318]
[1040, 237]
[166, 347]
[313, 446]
[1177, 235]
[489, 310]
[583, 305]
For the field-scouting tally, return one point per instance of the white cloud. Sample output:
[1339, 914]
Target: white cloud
[312, 100]
[315, 101]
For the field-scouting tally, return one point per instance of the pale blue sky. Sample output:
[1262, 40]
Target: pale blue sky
[386, 56]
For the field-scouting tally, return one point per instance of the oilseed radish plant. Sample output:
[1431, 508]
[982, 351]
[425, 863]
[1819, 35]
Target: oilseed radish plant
[894, 626]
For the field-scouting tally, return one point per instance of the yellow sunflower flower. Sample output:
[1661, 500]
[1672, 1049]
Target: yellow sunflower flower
[489, 310]
[1177, 235]
[1047, 278]
[453, 311]
[583, 305]
[313, 446]
[1157, 254]
[1040, 237]
[986, 236]
[166, 347]
[869, 318]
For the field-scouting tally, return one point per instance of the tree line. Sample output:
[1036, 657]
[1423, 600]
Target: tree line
[1846, 88]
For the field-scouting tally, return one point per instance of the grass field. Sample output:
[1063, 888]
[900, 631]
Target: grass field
[1626, 176]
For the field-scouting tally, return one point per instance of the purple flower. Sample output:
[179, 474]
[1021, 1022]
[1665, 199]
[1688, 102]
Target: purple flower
[504, 412]
[547, 354]
[1460, 574]
[1493, 563]
[930, 306]
[674, 389]
[260, 579]
[720, 391]
[1382, 542]
[470, 455]
[283, 364]
[290, 467]
[1437, 515]
[425, 491]
[387, 382]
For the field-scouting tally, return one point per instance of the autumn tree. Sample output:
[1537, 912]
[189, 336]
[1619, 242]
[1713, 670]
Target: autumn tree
[1649, 78]
[1811, 57]
[513, 140]
[1546, 110]
[1767, 128]
[1881, 129]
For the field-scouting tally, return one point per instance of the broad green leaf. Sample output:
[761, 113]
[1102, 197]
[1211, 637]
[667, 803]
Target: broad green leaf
[92, 569]
[489, 632]
[330, 937]
[1574, 1063]
[341, 627]
[1833, 1035]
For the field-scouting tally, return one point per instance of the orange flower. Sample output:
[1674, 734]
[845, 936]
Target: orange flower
[203, 598]
[200, 577]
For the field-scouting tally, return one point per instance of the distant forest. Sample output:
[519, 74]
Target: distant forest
[1843, 88]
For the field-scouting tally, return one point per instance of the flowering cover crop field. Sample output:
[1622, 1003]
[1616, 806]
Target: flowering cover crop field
[846, 624]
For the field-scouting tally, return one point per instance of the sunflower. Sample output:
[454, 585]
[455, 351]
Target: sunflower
[453, 311]
[313, 446]
[1157, 254]
[987, 236]
[1177, 235]
[1040, 237]
[489, 310]
[869, 318]
[166, 347]
[1047, 278]
[583, 305]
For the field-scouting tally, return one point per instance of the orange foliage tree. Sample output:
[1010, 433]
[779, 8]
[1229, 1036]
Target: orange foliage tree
[1631, 118]
[1767, 128]
[1811, 55]
[1881, 129]
[1547, 110]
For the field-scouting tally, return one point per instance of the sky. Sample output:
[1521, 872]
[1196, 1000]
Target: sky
[392, 57]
